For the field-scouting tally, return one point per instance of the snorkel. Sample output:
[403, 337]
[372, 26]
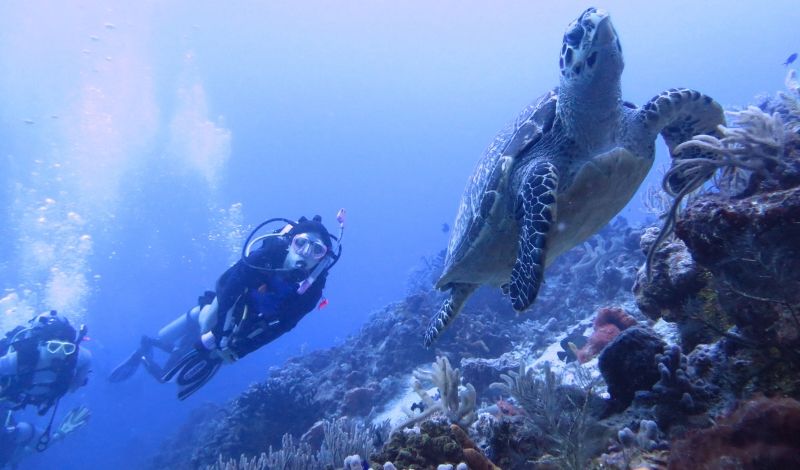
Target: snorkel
[324, 265]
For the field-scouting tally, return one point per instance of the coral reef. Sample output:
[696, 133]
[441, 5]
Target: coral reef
[705, 315]
[457, 406]
[642, 449]
[761, 433]
[433, 443]
[674, 279]
[750, 245]
[757, 153]
[372, 366]
[341, 438]
[629, 364]
[564, 417]
[677, 395]
[482, 372]
[608, 324]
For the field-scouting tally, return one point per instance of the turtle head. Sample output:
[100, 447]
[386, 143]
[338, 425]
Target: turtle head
[591, 55]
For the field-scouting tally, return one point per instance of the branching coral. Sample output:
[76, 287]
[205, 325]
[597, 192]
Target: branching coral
[345, 437]
[655, 201]
[561, 418]
[457, 406]
[755, 142]
[595, 258]
[244, 463]
[538, 397]
[676, 394]
[291, 456]
[635, 449]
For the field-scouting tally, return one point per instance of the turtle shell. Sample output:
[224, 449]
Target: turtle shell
[485, 200]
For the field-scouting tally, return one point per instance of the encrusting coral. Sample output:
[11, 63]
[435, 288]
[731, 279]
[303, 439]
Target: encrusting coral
[761, 433]
[433, 443]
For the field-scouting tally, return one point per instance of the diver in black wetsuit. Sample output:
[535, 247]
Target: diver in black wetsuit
[257, 300]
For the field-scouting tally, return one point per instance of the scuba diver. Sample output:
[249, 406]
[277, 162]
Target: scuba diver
[17, 438]
[258, 299]
[41, 362]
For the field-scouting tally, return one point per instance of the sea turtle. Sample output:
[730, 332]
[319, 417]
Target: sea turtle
[561, 170]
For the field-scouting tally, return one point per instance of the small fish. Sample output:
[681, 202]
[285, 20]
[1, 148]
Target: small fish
[418, 406]
[790, 59]
[567, 355]
[445, 227]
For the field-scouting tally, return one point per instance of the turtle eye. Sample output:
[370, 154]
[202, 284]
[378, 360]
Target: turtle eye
[574, 35]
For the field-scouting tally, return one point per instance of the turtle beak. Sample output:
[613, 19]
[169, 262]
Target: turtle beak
[605, 33]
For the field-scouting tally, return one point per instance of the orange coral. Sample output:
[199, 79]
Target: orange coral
[477, 461]
[507, 409]
[462, 438]
[608, 324]
[473, 457]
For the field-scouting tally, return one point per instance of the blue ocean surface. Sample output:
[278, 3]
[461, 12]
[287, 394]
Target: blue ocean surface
[140, 142]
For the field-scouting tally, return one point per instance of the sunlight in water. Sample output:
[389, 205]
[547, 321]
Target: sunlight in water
[99, 141]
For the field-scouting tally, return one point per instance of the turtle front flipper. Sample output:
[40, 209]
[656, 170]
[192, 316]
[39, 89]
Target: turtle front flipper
[459, 293]
[536, 211]
[680, 114]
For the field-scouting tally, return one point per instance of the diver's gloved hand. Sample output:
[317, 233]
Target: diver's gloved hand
[226, 355]
[208, 345]
[75, 419]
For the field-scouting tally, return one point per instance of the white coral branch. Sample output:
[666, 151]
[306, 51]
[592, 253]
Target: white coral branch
[458, 406]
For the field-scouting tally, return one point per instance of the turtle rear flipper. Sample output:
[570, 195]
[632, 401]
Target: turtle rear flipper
[535, 212]
[459, 293]
[680, 114]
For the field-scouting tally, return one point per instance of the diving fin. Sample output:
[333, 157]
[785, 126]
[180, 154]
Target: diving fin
[125, 370]
[211, 368]
[192, 371]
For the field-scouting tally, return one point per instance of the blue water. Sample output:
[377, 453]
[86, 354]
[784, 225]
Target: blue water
[138, 144]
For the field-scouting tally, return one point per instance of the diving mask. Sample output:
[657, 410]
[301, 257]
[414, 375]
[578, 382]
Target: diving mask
[304, 245]
[65, 347]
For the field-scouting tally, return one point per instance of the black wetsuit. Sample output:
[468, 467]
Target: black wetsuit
[269, 298]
